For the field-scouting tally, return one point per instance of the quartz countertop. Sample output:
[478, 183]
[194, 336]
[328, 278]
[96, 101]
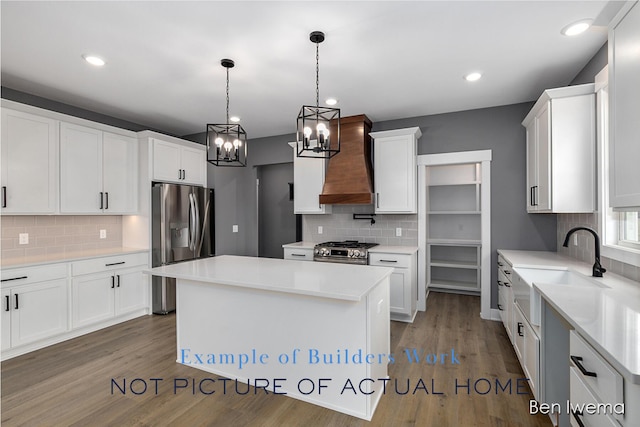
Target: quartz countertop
[29, 261]
[329, 280]
[607, 317]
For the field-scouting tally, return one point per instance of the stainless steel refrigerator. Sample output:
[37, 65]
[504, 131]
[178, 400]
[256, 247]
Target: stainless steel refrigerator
[182, 230]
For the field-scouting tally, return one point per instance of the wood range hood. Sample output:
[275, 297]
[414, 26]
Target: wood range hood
[348, 180]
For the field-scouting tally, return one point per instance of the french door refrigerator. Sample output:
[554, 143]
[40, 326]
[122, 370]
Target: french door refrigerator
[182, 229]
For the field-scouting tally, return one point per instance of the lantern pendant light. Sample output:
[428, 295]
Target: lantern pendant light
[318, 128]
[226, 143]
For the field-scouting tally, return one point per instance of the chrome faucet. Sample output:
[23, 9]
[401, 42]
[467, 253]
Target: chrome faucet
[597, 268]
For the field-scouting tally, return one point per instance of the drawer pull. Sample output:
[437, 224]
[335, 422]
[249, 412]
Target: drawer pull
[507, 272]
[7, 301]
[500, 264]
[4, 196]
[500, 307]
[302, 255]
[101, 200]
[507, 284]
[114, 263]
[576, 415]
[113, 282]
[577, 360]
[388, 260]
[500, 283]
[17, 306]
[118, 279]
[520, 326]
[13, 278]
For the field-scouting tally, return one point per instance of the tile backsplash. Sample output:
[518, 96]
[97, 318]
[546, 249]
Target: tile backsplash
[584, 251]
[340, 225]
[58, 234]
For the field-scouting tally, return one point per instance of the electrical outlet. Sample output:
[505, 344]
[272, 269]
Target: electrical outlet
[575, 240]
[398, 232]
[320, 230]
[24, 238]
[235, 228]
[103, 234]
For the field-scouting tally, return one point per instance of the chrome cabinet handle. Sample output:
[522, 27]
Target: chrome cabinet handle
[578, 362]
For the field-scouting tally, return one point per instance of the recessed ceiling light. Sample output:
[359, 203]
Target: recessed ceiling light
[331, 101]
[577, 27]
[472, 77]
[94, 60]
[234, 119]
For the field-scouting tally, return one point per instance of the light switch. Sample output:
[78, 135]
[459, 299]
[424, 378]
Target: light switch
[103, 234]
[23, 238]
[320, 230]
[398, 232]
[235, 228]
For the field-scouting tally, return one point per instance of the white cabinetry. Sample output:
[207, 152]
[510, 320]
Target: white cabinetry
[308, 179]
[505, 296]
[29, 164]
[454, 227]
[403, 284]
[104, 288]
[98, 171]
[527, 346]
[561, 135]
[624, 92]
[34, 304]
[181, 162]
[298, 254]
[395, 170]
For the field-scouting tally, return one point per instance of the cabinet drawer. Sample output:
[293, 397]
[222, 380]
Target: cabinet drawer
[390, 260]
[607, 382]
[298, 254]
[97, 265]
[23, 276]
[581, 395]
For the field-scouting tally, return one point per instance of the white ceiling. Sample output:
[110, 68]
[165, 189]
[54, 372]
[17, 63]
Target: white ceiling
[386, 59]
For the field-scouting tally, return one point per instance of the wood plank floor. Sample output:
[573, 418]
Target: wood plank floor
[69, 384]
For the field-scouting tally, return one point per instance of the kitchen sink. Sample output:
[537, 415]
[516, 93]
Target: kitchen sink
[556, 277]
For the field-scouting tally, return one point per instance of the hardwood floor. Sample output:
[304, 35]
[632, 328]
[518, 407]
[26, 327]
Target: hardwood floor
[70, 383]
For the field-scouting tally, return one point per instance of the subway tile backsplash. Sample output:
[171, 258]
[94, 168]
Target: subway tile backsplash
[58, 234]
[340, 225]
[584, 251]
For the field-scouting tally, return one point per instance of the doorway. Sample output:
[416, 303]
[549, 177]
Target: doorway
[277, 224]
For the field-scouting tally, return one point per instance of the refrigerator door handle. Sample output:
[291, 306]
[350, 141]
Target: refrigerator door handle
[204, 226]
[192, 223]
[196, 234]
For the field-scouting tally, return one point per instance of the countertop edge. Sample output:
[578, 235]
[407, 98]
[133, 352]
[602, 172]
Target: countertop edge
[69, 257]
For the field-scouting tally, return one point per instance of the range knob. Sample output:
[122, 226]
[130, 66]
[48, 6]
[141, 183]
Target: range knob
[356, 254]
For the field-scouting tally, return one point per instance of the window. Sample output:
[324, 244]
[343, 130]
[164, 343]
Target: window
[629, 229]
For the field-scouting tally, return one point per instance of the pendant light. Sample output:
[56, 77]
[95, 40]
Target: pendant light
[226, 143]
[318, 133]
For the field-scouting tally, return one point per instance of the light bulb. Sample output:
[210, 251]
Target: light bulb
[307, 131]
[321, 128]
[219, 142]
[237, 143]
[228, 146]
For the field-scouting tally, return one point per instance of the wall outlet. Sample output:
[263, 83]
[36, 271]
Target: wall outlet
[398, 232]
[234, 228]
[23, 238]
[320, 230]
[103, 234]
[575, 240]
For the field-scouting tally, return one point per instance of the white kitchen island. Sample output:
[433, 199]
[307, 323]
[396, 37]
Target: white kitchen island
[318, 332]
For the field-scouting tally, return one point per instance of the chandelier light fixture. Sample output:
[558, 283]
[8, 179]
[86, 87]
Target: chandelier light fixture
[318, 128]
[227, 142]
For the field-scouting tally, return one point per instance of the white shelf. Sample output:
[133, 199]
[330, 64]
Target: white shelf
[454, 212]
[454, 242]
[450, 184]
[447, 263]
[454, 284]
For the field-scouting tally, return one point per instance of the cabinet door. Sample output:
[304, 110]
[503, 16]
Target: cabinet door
[80, 169]
[5, 339]
[395, 174]
[131, 291]
[518, 333]
[29, 163]
[120, 173]
[624, 86]
[531, 357]
[38, 311]
[93, 299]
[194, 162]
[532, 168]
[166, 161]
[543, 160]
[400, 291]
[308, 179]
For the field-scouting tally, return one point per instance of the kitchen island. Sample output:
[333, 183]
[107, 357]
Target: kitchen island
[317, 332]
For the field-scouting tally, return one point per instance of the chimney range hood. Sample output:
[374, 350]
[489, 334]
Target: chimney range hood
[348, 180]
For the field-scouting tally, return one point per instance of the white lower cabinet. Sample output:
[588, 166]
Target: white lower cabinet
[299, 254]
[403, 286]
[104, 288]
[34, 304]
[527, 346]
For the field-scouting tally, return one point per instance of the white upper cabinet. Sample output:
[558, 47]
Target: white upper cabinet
[561, 150]
[308, 179]
[395, 170]
[182, 163]
[98, 171]
[29, 164]
[624, 92]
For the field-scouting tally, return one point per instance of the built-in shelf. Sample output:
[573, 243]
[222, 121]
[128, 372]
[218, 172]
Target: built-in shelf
[454, 227]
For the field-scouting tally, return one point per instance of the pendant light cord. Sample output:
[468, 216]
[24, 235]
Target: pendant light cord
[317, 75]
[227, 95]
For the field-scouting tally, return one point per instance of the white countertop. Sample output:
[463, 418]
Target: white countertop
[28, 261]
[330, 280]
[608, 318]
[387, 249]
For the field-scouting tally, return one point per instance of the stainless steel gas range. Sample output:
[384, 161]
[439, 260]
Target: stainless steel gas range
[349, 252]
